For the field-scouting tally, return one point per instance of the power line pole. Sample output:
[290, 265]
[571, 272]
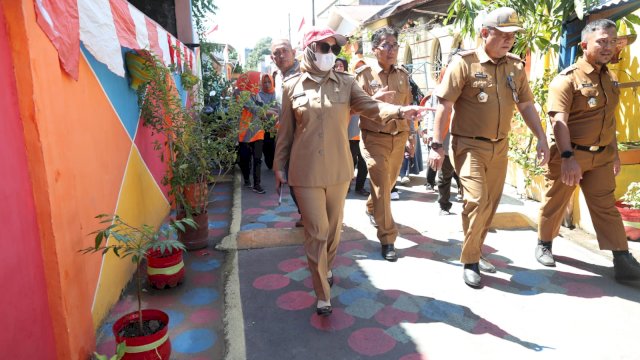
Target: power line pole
[289, 27]
[313, 12]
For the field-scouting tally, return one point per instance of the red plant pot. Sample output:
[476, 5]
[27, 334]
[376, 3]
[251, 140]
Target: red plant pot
[167, 270]
[194, 239]
[150, 347]
[631, 221]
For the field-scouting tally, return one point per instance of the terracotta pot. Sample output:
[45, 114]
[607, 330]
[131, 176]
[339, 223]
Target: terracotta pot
[151, 347]
[167, 270]
[194, 239]
[631, 221]
[196, 195]
[629, 157]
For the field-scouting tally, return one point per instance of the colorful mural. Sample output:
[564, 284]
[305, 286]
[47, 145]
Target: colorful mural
[77, 149]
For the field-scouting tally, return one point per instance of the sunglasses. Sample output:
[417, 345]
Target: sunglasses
[389, 47]
[324, 48]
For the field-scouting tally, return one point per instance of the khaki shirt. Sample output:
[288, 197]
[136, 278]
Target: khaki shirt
[472, 73]
[372, 79]
[590, 99]
[313, 127]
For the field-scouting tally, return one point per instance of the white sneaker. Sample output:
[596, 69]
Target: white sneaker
[395, 196]
[405, 180]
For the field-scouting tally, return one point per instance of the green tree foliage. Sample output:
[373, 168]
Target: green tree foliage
[542, 19]
[201, 9]
[263, 47]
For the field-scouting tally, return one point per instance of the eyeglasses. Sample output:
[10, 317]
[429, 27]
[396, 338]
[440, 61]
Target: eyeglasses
[389, 46]
[280, 53]
[325, 48]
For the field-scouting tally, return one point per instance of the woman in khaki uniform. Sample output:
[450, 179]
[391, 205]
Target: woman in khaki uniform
[313, 139]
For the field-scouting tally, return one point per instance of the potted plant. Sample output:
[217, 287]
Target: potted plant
[144, 332]
[629, 207]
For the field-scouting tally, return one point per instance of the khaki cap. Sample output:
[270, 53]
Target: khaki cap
[504, 19]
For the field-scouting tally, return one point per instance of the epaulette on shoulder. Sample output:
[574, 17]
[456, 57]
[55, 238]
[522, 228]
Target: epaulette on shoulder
[568, 69]
[291, 77]
[514, 57]
[466, 52]
[403, 69]
[362, 68]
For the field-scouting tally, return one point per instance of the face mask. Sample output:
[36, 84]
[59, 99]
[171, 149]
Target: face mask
[325, 62]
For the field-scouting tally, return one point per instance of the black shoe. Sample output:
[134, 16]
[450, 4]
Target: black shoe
[330, 281]
[471, 275]
[247, 183]
[324, 311]
[486, 266]
[626, 268]
[299, 223]
[372, 220]
[362, 192]
[429, 187]
[258, 189]
[544, 256]
[389, 253]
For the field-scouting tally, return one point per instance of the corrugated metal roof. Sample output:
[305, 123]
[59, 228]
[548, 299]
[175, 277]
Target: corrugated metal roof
[606, 4]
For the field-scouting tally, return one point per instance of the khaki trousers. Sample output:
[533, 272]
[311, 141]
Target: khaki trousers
[384, 154]
[321, 209]
[597, 184]
[482, 168]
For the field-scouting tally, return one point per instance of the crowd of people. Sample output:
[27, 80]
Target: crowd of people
[335, 118]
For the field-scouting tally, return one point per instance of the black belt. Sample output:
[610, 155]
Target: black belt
[480, 138]
[596, 149]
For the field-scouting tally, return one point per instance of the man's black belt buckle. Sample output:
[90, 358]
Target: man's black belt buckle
[595, 149]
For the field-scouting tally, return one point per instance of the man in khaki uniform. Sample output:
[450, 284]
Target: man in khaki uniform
[582, 103]
[482, 86]
[313, 139]
[383, 145]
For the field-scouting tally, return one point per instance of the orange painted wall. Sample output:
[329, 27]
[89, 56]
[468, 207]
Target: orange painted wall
[77, 155]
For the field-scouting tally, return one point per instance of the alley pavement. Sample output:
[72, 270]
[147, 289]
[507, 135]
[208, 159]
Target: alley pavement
[419, 307]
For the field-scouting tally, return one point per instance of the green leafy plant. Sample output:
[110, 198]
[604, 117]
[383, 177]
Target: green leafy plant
[522, 149]
[117, 356]
[632, 196]
[135, 242]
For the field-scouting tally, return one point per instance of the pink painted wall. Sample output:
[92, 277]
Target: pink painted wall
[25, 319]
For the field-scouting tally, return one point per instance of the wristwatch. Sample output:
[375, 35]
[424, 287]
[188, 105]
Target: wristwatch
[566, 154]
[435, 145]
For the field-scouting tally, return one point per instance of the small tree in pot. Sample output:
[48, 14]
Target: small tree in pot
[142, 326]
[629, 208]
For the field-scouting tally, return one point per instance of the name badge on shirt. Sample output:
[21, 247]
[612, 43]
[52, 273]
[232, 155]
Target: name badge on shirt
[480, 75]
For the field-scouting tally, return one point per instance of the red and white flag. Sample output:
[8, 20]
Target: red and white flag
[301, 24]
[212, 30]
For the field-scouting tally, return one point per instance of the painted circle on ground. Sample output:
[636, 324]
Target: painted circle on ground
[269, 203]
[207, 265]
[583, 290]
[253, 226]
[253, 211]
[530, 278]
[414, 356]
[269, 218]
[485, 327]
[221, 197]
[204, 316]
[218, 224]
[203, 278]
[308, 282]
[291, 265]
[199, 296]
[271, 282]
[371, 341]
[219, 210]
[284, 225]
[350, 245]
[390, 316]
[350, 296]
[394, 294]
[342, 261]
[338, 320]
[175, 318]
[193, 341]
[295, 300]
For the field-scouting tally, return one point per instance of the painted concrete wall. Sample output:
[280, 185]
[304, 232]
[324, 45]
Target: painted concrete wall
[25, 314]
[73, 149]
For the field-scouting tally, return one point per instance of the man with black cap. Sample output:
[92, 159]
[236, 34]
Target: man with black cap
[483, 86]
[582, 103]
